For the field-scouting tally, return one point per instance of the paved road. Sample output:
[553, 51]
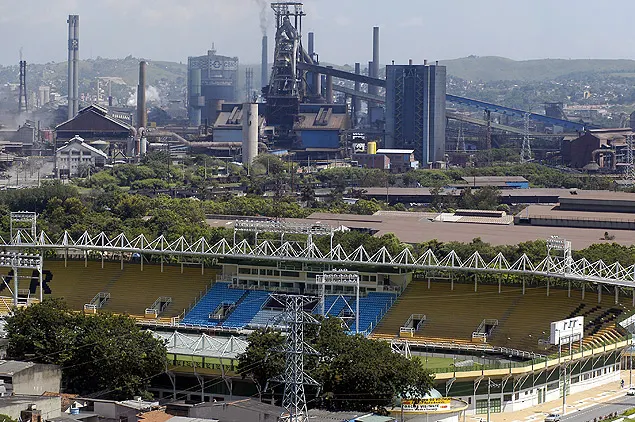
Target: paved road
[619, 405]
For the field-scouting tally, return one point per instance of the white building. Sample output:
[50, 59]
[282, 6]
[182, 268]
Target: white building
[76, 156]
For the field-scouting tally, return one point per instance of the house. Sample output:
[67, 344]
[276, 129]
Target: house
[76, 156]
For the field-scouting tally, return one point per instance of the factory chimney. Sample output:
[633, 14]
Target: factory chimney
[250, 133]
[73, 66]
[311, 45]
[142, 116]
[375, 67]
[264, 64]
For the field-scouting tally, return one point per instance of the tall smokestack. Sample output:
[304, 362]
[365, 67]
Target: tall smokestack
[329, 87]
[250, 133]
[142, 116]
[375, 71]
[264, 64]
[357, 105]
[311, 44]
[73, 69]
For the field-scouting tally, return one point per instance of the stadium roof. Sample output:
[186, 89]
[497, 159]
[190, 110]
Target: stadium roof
[202, 344]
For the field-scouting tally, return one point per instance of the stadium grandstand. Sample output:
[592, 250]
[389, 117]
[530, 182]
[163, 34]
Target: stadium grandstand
[481, 319]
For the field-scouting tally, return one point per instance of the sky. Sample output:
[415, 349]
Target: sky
[410, 29]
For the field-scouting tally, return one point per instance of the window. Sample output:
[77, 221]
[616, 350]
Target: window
[494, 406]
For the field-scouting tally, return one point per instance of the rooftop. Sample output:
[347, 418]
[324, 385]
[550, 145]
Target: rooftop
[394, 151]
[419, 227]
[202, 344]
[494, 179]
[11, 367]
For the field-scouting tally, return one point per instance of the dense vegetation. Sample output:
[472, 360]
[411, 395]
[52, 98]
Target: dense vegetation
[103, 354]
[113, 210]
[355, 373]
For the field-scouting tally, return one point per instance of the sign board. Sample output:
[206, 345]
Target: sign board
[567, 331]
[427, 405]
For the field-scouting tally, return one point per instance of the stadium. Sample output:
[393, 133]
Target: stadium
[483, 325]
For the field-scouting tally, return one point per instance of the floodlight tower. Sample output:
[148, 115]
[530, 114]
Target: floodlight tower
[339, 278]
[556, 243]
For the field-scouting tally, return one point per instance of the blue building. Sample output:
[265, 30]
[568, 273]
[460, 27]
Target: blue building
[415, 110]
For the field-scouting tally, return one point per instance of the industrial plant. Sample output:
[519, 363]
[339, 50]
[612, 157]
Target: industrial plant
[309, 111]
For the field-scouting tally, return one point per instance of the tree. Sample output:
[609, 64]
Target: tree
[261, 361]
[355, 373]
[103, 353]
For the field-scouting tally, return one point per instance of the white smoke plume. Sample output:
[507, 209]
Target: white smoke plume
[264, 15]
[152, 96]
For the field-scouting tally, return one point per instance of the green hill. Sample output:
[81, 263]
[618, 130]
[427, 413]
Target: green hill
[493, 68]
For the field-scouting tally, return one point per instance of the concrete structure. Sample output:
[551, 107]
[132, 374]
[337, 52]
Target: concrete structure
[237, 411]
[29, 378]
[75, 155]
[372, 161]
[73, 65]
[196, 100]
[111, 410]
[250, 133]
[20, 406]
[218, 82]
[228, 126]
[400, 159]
[415, 110]
[600, 210]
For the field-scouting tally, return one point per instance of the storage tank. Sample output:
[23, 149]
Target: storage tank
[250, 133]
[371, 147]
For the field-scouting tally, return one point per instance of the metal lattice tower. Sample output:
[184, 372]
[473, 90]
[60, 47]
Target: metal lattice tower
[630, 171]
[294, 377]
[525, 153]
[460, 142]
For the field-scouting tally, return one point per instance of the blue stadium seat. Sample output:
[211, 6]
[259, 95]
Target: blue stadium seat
[219, 293]
[371, 310]
[246, 309]
[264, 317]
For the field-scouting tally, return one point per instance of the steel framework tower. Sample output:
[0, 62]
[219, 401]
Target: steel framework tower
[287, 87]
[525, 153]
[294, 377]
[22, 99]
[630, 172]
[460, 141]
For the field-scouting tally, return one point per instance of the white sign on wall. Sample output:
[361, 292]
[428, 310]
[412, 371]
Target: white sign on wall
[567, 330]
